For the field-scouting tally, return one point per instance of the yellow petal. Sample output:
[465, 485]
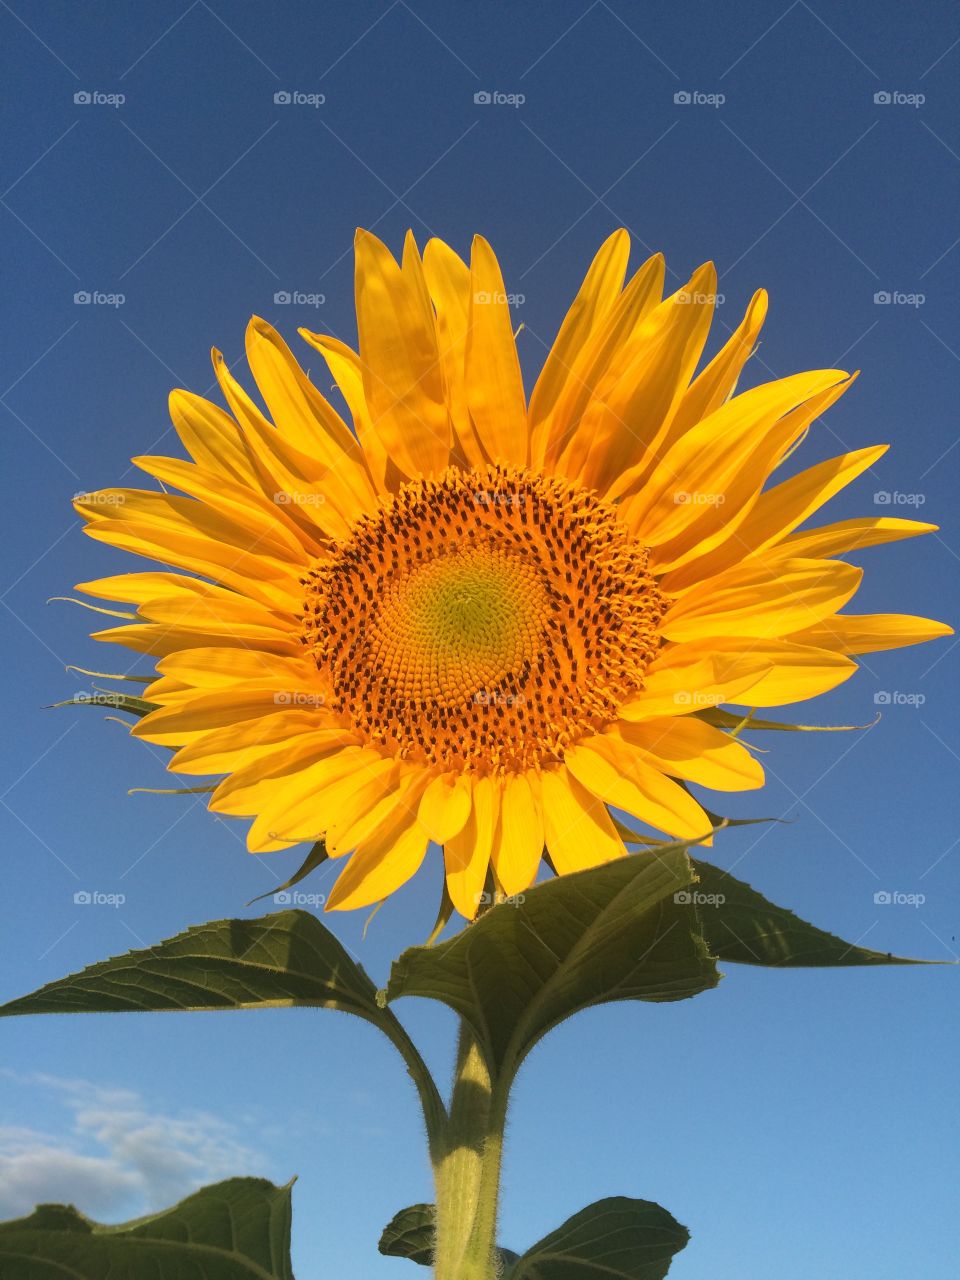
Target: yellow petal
[137, 588]
[214, 668]
[177, 541]
[871, 632]
[623, 776]
[600, 289]
[794, 672]
[494, 383]
[378, 790]
[402, 379]
[718, 380]
[448, 279]
[344, 364]
[853, 535]
[235, 746]
[758, 598]
[232, 614]
[692, 677]
[775, 514]
[159, 640]
[578, 829]
[181, 723]
[685, 747]
[611, 331]
[302, 415]
[210, 436]
[356, 820]
[445, 807]
[387, 859]
[248, 508]
[708, 476]
[313, 492]
[286, 780]
[519, 847]
[467, 854]
[241, 406]
[294, 805]
[632, 405]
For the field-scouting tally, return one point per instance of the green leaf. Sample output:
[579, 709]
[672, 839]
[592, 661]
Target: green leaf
[410, 1234]
[614, 1239]
[743, 926]
[287, 958]
[611, 933]
[236, 1230]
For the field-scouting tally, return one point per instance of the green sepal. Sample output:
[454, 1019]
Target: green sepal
[315, 858]
[114, 701]
[722, 719]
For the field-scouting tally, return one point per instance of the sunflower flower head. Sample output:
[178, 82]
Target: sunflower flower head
[467, 619]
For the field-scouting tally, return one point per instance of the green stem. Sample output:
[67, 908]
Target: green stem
[434, 1111]
[467, 1173]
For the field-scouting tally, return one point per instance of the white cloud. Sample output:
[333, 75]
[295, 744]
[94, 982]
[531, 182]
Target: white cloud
[117, 1156]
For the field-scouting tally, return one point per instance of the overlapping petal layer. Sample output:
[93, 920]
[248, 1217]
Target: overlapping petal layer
[461, 619]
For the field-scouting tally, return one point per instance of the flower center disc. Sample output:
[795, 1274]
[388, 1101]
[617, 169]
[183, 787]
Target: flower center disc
[484, 620]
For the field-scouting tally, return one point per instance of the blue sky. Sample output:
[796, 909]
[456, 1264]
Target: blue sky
[799, 1123]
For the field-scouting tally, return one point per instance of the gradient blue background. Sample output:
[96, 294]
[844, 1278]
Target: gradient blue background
[801, 1123]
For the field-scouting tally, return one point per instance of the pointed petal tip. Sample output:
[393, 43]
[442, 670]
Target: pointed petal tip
[262, 328]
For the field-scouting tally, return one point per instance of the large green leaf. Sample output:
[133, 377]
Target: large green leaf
[410, 1234]
[288, 958]
[614, 1239]
[236, 1230]
[742, 925]
[611, 933]
[284, 959]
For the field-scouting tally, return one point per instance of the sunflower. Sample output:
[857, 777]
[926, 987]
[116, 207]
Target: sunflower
[478, 621]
